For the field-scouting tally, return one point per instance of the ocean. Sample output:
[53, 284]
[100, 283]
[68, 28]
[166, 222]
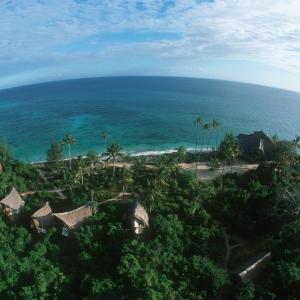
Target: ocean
[143, 114]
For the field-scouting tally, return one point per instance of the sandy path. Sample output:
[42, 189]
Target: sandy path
[203, 171]
[205, 174]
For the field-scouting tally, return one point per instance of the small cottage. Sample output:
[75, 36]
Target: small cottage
[139, 218]
[71, 220]
[256, 145]
[43, 218]
[12, 204]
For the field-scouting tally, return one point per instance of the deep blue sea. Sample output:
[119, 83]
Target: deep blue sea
[141, 113]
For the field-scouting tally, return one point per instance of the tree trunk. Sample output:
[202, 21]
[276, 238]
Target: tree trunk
[70, 159]
[1, 168]
[81, 174]
[114, 167]
[196, 155]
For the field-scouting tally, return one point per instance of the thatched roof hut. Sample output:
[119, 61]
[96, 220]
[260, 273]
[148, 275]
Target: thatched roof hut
[139, 218]
[256, 144]
[12, 203]
[73, 219]
[253, 268]
[43, 218]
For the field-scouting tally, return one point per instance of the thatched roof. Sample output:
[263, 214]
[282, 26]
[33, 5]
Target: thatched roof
[13, 200]
[255, 141]
[42, 212]
[43, 217]
[140, 213]
[75, 218]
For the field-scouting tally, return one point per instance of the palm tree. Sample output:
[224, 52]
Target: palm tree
[5, 154]
[215, 125]
[82, 168]
[229, 148]
[105, 137]
[153, 194]
[114, 150]
[207, 126]
[96, 194]
[69, 140]
[296, 140]
[126, 178]
[197, 123]
[181, 154]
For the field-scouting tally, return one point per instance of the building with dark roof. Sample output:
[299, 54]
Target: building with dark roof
[256, 145]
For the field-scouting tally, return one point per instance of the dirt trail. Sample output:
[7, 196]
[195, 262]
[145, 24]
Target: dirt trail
[203, 170]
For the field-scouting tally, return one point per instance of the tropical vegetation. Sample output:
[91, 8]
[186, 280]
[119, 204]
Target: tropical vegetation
[199, 232]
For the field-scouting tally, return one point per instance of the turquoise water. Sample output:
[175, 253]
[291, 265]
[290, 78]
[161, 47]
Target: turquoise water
[141, 113]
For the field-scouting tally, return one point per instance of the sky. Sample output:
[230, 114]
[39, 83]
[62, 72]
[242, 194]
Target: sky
[255, 41]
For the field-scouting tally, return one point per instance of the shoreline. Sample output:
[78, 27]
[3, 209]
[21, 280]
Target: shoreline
[148, 153]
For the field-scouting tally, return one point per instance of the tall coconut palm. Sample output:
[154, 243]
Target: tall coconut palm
[215, 126]
[105, 138]
[197, 124]
[5, 154]
[181, 154]
[207, 127]
[81, 168]
[114, 150]
[69, 140]
[126, 178]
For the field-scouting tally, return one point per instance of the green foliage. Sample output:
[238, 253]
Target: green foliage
[229, 147]
[114, 150]
[5, 153]
[91, 156]
[285, 153]
[55, 152]
[214, 163]
[245, 291]
[181, 154]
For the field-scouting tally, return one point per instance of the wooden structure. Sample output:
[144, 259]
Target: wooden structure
[43, 218]
[256, 145]
[139, 218]
[12, 204]
[73, 219]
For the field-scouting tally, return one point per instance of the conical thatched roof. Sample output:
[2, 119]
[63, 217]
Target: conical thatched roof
[75, 218]
[43, 211]
[13, 200]
[140, 213]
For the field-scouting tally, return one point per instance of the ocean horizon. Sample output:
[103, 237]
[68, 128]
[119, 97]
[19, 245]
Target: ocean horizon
[143, 114]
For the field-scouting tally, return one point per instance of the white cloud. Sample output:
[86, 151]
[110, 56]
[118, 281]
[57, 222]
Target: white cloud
[265, 31]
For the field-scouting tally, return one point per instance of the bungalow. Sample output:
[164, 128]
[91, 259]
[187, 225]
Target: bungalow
[253, 268]
[71, 220]
[139, 218]
[43, 218]
[256, 144]
[12, 204]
